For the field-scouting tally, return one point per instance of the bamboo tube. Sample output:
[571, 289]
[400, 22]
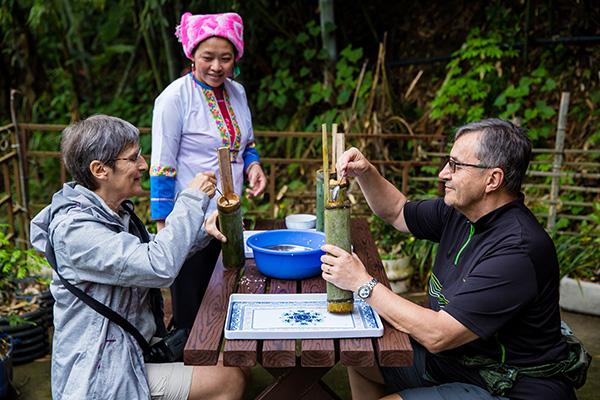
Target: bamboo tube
[230, 215]
[321, 199]
[231, 225]
[337, 232]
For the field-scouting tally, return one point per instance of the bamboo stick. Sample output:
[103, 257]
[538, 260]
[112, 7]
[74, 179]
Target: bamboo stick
[341, 147]
[225, 172]
[326, 193]
[334, 147]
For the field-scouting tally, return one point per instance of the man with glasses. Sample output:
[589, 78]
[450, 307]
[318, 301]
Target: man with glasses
[493, 291]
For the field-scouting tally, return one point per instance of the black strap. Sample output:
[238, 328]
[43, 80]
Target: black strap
[95, 304]
[156, 303]
[103, 309]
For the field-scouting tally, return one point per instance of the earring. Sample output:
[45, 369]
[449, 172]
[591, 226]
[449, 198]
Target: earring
[193, 67]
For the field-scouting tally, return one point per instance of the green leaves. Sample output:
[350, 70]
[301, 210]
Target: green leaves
[471, 78]
[15, 264]
[578, 255]
[302, 37]
[309, 54]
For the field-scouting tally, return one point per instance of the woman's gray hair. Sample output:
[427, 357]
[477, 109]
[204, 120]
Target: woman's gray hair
[502, 144]
[98, 137]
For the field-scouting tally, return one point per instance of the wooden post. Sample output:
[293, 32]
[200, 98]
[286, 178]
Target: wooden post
[558, 159]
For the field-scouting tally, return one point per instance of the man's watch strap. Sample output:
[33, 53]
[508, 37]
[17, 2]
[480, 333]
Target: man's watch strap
[364, 292]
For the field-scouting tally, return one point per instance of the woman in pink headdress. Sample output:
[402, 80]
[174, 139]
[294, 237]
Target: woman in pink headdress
[194, 116]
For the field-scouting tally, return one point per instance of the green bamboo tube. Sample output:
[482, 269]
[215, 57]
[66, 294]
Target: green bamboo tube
[337, 232]
[321, 200]
[231, 225]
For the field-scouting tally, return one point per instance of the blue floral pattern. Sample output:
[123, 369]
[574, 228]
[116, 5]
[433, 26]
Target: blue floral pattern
[301, 317]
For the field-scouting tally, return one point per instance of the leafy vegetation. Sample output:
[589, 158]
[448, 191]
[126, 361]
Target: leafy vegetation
[15, 265]
[72, 59]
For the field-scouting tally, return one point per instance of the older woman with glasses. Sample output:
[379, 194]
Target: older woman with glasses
[101, 247]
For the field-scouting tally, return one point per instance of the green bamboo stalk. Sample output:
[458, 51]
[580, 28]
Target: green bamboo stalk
[321, 200]
[231, 225]
[337, 232]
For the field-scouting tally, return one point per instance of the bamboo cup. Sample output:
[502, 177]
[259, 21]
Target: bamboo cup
[337, 228]
[337, 232]
[230, 215]
[231, 225]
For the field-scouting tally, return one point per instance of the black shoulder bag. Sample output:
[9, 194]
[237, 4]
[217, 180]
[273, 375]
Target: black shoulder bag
[170, 348]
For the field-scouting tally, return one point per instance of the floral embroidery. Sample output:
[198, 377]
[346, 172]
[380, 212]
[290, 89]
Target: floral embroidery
[213, 107]
[235, 149]
[163, 171]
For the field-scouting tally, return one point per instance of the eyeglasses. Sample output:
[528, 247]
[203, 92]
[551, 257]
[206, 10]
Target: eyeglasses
[453, 165]
[132, 159]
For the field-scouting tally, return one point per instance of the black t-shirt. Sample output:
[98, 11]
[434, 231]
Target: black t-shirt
[499, 277]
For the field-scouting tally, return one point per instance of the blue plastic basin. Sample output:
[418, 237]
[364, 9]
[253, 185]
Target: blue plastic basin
[288, 264]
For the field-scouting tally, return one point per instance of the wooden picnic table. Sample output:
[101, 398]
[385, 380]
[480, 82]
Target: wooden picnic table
[296, 376]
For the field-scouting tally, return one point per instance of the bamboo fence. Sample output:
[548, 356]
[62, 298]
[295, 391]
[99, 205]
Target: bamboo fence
[571, 171]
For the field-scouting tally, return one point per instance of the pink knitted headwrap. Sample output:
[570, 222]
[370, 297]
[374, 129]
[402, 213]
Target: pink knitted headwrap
[196, 28]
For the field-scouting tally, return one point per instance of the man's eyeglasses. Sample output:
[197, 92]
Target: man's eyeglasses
[453, 164]
[132, 159]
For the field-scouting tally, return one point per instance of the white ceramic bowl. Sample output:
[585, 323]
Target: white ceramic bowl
[301, 221]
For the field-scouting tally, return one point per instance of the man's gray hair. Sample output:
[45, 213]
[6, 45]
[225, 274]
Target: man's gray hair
[98, 137]
[502, 144]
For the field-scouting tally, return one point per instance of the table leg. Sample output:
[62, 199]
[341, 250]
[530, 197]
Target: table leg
[298, 383]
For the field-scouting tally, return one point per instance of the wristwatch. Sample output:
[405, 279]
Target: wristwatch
[364, 292]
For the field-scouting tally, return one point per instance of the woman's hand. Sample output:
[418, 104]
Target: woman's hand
[256, 180]
[211, 227]
[205, 181]
[344, 270]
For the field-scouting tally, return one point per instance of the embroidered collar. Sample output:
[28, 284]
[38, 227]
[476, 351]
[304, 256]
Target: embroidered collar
[213, 106]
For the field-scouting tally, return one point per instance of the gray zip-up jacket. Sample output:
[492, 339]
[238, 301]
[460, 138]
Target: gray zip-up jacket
[93, 358]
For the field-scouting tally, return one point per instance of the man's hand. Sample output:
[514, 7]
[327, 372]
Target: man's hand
[353, 162]
[205, 181]
[344, 270]
[256, 180]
